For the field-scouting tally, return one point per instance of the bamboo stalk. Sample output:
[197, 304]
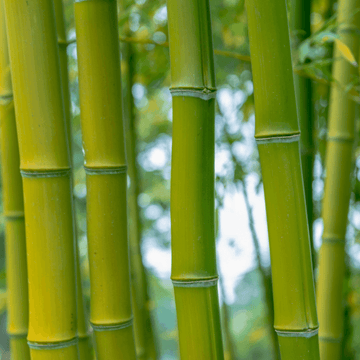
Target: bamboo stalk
[193, 89]
[83, 330]
[106, 179]
[339, 162]
[265, 275]
[144, 337]
[15, 243]
[46, 172]
[277, 134]
[300, 23]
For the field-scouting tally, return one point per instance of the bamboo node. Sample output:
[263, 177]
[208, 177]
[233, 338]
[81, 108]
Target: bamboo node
[341, 138]
[45, 173]
[333, 240]
[6, 98]
[202, 93]
[13, 215]
[106, 171]
[330, 339]
[51, 346]
[305, 334]
[18, 336]
[195, 283]
[283, 138]
[112, 327]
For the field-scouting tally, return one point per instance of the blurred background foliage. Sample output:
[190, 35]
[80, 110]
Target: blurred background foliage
[243, 257]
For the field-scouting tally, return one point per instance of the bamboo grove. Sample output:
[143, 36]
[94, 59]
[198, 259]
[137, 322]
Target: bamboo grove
[47, 302]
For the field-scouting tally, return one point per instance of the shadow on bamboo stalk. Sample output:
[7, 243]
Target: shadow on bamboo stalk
[15, 243]
[46, 172]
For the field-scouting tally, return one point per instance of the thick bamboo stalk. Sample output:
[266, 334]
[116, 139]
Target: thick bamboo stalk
[144, 337]
[83, 330]
[15, 244]
[46, 172]
[193, 273]
[300, 23]
[277, 134]
[339, 161]
[105, 165]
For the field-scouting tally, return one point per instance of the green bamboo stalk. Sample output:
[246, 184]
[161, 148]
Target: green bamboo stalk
[339, 163]
[265, 275]
[83, 330]
[15, 243]
[143, 329]
[46, 172]
[194, 273]
[278, 137]
[300, 23]
[105, 165]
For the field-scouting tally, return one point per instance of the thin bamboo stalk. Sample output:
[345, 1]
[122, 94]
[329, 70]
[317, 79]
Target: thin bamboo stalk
[300, 23]
[193, 273]
[16, 270]
[106, 179]
[265, 275]
[46, 172]
[83, 330]
[278, 137]
[144, 337]
[339, 163]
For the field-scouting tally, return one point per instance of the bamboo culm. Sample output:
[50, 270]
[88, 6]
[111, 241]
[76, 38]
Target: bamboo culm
[15, 245]
[300, 24]
[144, 337]
[193, 272]
[83, 331]
[46, 173]
[278, 137]
[338, 165]
[106, 177]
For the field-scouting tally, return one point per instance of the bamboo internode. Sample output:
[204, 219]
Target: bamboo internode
[277, 133]
[106, 179]
[339, 164]
[45, 167]
[16, 269]
[193, 89]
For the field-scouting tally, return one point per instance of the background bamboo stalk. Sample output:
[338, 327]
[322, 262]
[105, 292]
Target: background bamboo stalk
[16, 269]
[339, 162]
[143, 328]
[45, 167]
[105, 165]
[193, 270]
[277, 134]
[264, 273]
[83, 330]
[300, 23]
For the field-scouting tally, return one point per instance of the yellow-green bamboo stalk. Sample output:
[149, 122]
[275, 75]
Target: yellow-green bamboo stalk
[16, 271]
[277, 133]
[46, 172]
[144, 337]
[83, 331]
[339, 159]
[193, 272]
[300, 23]
[105, 165]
